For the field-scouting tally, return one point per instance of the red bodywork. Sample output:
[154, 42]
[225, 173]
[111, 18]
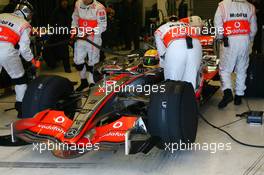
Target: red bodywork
[55, 124]
[51, 125]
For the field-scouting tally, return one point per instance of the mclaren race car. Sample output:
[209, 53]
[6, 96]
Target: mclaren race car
[132, 105]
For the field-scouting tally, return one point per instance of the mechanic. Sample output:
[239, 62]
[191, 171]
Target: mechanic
[194, 21]
[238, 18]
[180, 52]
[90, 20]
[15, 32]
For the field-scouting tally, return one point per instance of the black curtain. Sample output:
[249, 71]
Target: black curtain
[42, 11]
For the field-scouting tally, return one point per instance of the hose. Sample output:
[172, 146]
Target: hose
[106, 50]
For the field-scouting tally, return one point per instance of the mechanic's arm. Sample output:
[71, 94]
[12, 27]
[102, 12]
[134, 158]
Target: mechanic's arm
[253, 25]
[218, 23]
[160, 44]
[102, 20]
[24, 45]
[75, 16]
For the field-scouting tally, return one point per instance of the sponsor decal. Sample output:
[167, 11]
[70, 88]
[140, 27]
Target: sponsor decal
[164, 104]
[102, 13]
[233, 15]
[72, 132]
[102, 18]
[59, 120]
[51, 128]
[85, 23]
[118, 125]
[114, 134]
[110, 82]
[6, 23]
[237, 25]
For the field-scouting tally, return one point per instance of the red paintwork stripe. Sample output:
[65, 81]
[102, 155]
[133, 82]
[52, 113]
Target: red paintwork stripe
[87, 126]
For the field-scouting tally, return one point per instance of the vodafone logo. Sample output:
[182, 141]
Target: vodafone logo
[110, 82]
[237, 25]
[118, 125]
[59, 119]
[1, 29]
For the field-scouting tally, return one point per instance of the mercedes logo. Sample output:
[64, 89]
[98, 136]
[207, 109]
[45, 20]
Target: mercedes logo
[71, 133]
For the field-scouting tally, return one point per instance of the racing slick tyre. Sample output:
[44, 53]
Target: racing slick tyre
[44, 93]
[173, 114]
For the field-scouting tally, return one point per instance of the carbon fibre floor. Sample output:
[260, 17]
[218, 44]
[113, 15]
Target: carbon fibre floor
[238, 160]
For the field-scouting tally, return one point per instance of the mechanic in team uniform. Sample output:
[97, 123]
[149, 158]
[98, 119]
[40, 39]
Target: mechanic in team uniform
[238, 18]
[194, 21]
[89, 18]
[15, 32]
[180, 52]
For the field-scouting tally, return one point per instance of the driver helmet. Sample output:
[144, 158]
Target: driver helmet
[151, 59]
[173, 18]
[25, 8]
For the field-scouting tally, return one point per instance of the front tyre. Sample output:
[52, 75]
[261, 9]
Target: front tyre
[44, 93]
[173, 115]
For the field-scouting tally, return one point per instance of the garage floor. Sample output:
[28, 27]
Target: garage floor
[240, 160]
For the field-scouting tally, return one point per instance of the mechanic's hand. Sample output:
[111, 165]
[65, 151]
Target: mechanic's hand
[251, 47]
[71, 42]
[35, 63]
[74, 32]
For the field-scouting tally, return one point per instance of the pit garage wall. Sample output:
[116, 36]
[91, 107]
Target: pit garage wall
[171, 7]
[146, 5]
[3, 3]
[205, 8]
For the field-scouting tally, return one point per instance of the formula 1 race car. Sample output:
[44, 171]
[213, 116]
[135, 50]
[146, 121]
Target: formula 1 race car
[132, 105]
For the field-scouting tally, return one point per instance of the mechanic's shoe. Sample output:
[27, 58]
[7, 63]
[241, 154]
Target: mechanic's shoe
[91, 85]
[74, 83]
[18, 107]
[238, 100]
[228, 97]
[84, 85]
[90, 78]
